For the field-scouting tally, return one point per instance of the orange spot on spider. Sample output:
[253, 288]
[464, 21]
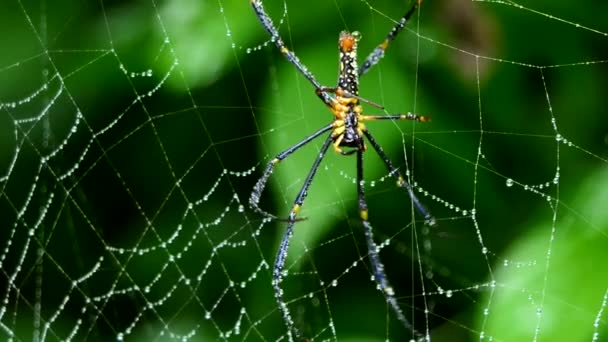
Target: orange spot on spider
[347, 41]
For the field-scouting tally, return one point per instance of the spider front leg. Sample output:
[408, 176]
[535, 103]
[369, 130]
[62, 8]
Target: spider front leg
[266, 21]
[372, 248]
[279, 263]
[376, 55]
[259, 187]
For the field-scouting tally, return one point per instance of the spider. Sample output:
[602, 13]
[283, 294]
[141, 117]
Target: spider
[347, 132]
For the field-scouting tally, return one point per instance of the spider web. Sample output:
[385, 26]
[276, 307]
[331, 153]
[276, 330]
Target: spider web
[132, 134]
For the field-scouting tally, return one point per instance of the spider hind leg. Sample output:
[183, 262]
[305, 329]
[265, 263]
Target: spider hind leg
[374, 258]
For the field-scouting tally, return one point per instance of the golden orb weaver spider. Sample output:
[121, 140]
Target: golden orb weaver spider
[347, 130]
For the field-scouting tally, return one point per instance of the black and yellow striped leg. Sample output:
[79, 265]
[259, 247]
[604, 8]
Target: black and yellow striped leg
[375, 56]
[407, 116]
[401, 182]
[374, 258]
[279, 263]
[259, 187]
[291, 57]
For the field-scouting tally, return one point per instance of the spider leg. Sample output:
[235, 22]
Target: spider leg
[259, 187]
[374, 258]
[408, 116]
[401, 182]
[344, 93]
[375, 56]
[291, 57]
[279, 263]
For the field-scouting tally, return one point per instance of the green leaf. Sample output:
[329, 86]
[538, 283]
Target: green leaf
[555, 279]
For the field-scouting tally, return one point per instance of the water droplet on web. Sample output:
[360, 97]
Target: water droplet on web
[509, 182]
